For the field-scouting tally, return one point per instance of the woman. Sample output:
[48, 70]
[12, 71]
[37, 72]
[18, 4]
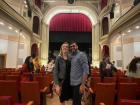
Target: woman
[37, 64]
[134, 68]
[62, 74]
[50, 65]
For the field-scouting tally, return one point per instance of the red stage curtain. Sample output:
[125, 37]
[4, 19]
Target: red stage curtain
[71, 22]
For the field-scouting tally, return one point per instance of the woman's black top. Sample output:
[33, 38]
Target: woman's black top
[66, 92]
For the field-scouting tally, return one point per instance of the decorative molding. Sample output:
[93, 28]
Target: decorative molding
[105, 10]
[126, 20]
[104, 39]
[9, 37]
[12, 14]
[37, 38]
[37, 11]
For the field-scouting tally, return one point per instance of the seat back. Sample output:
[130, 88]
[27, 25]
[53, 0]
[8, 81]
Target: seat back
[30, 92]
[109, 80]
[129, 102]
[9, 88]
[105, 93]
[6, 100]
[127, 91]
[2, 76]
[125, 80]
[94, 81]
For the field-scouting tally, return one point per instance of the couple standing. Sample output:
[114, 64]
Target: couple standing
[70, 73]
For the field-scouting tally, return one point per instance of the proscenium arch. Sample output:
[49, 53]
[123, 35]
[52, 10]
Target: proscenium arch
[90, 13]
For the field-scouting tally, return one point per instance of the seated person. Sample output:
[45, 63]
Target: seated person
[106, 68]
[50, 65]
[37, 64]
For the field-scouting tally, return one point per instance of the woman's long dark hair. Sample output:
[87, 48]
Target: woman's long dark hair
[132, 65]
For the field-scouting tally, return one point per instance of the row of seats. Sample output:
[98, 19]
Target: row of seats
[110, 90]
[23, 90]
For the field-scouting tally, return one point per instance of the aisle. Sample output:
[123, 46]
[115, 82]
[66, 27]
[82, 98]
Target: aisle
[55, 101]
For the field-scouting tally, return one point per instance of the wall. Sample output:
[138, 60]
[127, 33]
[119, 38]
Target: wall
[128, 53]
[11, 54]
[24, 50]
[10, 48]
[137, 49]
[117, 55]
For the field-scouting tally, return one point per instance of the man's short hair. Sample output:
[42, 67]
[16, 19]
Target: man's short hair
[74, 42]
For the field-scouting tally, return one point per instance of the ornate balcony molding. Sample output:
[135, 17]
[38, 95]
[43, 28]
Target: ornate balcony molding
[131, 17]
[37, 10]
[104, 40]
[10, 13]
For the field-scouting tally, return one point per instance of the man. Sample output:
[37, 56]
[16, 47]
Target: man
[79, 72]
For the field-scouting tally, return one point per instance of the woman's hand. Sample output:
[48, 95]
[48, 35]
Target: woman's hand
[57, 90]
[82, 88]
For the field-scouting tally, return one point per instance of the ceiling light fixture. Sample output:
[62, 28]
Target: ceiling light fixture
[129, 30]
[1, 23]
[16, 31]
[137, 27]
[25, 2]
[10, 27]
[26, 6]
[123, 34]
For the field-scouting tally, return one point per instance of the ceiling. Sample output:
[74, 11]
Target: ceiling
[6, 30]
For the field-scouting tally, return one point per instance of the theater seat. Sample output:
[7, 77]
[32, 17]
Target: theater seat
[30, 92]
[105, 93]
[93, 83]
[129, 102]
[109, 80]
[127, 91]
[7, 100]
[9, 88]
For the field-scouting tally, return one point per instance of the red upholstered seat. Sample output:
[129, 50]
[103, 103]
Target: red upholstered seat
[137, 80]
[105, 93]
[109, 79]
[127, 91]
[93, 83]
[30, 92]
[125, 80]
[6, 100]
[2, 77]
[9, 88]
[129, 102]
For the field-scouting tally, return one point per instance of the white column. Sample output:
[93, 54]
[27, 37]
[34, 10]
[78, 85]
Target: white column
[18, 43]
[122, 56]
[95, 45]
[44, 44]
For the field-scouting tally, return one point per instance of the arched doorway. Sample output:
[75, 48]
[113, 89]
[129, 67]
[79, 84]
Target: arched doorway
[35, 24]
[105, 51]
[34, 49]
